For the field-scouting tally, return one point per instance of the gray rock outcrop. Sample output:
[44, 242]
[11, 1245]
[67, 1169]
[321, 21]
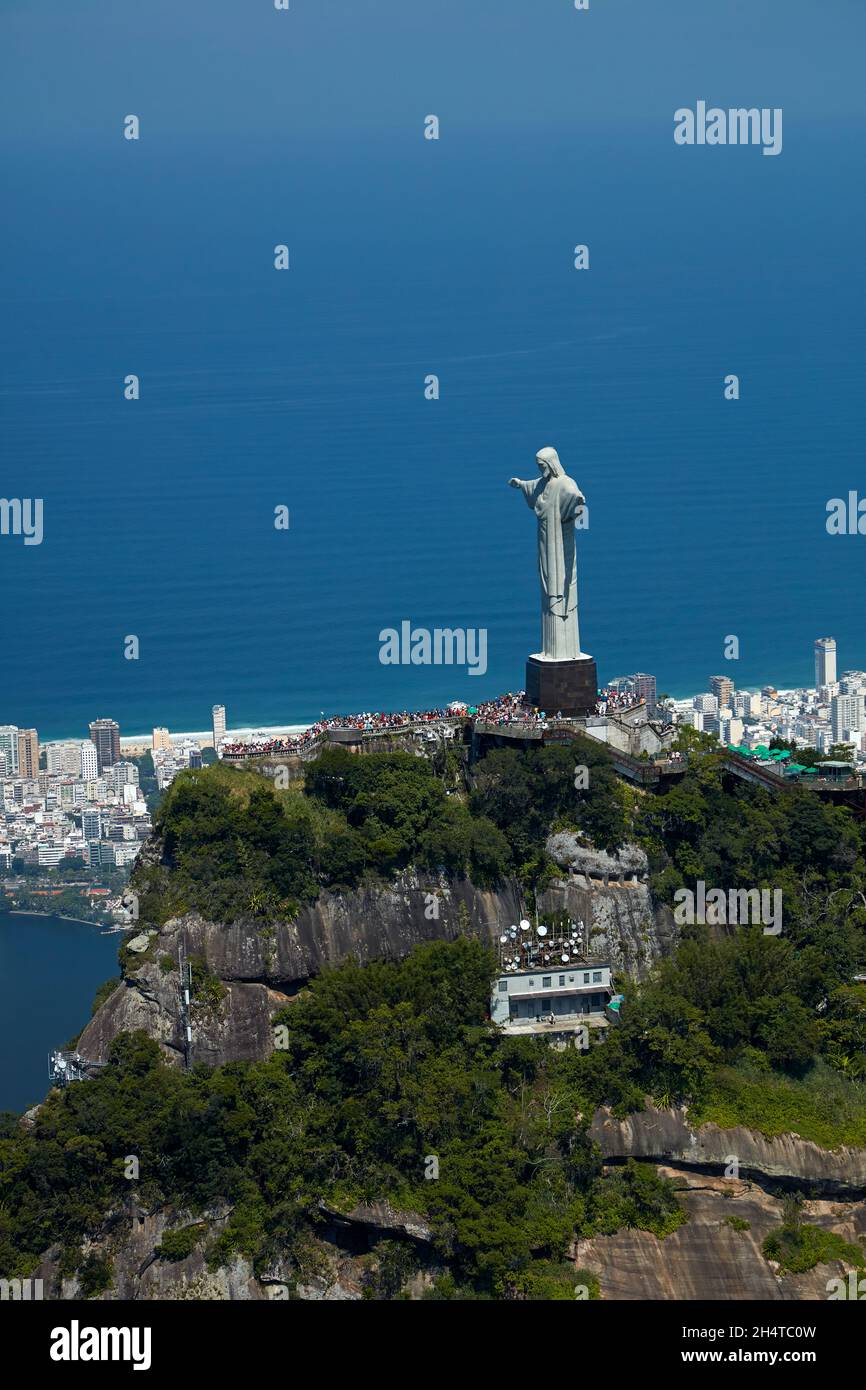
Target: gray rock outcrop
[264, 966]
[610, 894]
[709, 1257]
[668, 1135]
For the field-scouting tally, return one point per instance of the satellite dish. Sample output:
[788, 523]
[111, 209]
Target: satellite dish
[542, 931]
[502, 940]
[524, 924]
[565, 958]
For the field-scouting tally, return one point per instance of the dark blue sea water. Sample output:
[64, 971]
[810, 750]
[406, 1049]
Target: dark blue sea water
[49, 973]
[306, 388]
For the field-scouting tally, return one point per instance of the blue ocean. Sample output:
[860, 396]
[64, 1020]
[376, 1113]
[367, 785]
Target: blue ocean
[305, 389]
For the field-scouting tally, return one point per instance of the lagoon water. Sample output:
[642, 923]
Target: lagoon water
[50, 970]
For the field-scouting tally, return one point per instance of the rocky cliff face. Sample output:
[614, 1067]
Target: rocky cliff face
[717, 1255]
[708, 1258]
[264, 967]
[667, 1135]
[610, 894]
[335, 1262]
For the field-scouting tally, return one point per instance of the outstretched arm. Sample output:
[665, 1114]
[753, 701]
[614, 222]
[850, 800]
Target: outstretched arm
[528, 489]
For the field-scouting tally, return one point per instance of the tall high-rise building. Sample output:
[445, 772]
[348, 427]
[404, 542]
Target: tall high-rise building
[28, 753]
[105, 734]
[89, 761]
[9, 746]
[846, 714]
[723, 689]
[91, 825]
[161, 739]
[644, 687]
[123, 775]
[63, 758]
[707, 704]
[219, 725]
[825, 661]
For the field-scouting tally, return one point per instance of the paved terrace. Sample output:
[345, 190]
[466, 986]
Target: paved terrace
[640, 772]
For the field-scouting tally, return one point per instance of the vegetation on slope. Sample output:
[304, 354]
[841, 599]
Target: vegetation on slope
[384, 1067]
[797, 1246]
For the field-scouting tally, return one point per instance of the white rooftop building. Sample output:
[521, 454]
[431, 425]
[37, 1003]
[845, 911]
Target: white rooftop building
[548, 987]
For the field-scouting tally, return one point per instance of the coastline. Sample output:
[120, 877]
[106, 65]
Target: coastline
[58, 916]
[139, 743]
[204, 737]
[132, 743]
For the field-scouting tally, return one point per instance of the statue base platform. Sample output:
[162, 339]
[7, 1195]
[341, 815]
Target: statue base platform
[562, 687]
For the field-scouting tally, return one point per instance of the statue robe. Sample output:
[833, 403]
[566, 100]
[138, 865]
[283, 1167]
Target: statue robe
[556, 502]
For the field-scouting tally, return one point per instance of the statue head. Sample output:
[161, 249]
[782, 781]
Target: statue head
[548, 463]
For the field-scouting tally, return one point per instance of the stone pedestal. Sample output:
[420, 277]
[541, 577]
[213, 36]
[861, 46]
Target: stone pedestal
[567, 687]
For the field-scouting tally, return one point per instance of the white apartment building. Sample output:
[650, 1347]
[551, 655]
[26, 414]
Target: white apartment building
[49, 856]
[747, 705]
[219, 725]
[122, 775]
[88, 762]
[9, 746]
[64, 759]
[706, 704]
[825, 662]
[846, 716]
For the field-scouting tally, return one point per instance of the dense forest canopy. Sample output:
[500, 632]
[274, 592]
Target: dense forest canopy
[384, 1066]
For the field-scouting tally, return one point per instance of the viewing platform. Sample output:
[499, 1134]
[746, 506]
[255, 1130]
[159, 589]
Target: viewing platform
[621, 729]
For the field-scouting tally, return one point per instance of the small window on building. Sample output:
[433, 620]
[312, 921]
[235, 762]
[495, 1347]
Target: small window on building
[503, 986]
[562, 979]
[596, 977]
[545, 983]
[586, 978]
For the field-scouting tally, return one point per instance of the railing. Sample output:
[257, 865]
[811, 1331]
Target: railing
[853, 783]
[349, 733]
[520, 728]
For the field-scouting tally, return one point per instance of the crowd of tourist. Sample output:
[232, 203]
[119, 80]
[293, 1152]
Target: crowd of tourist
[616, 699]
[371, 721]
[510, 708]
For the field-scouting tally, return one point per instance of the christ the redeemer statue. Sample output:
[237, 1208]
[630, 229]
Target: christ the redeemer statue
[557, 502]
